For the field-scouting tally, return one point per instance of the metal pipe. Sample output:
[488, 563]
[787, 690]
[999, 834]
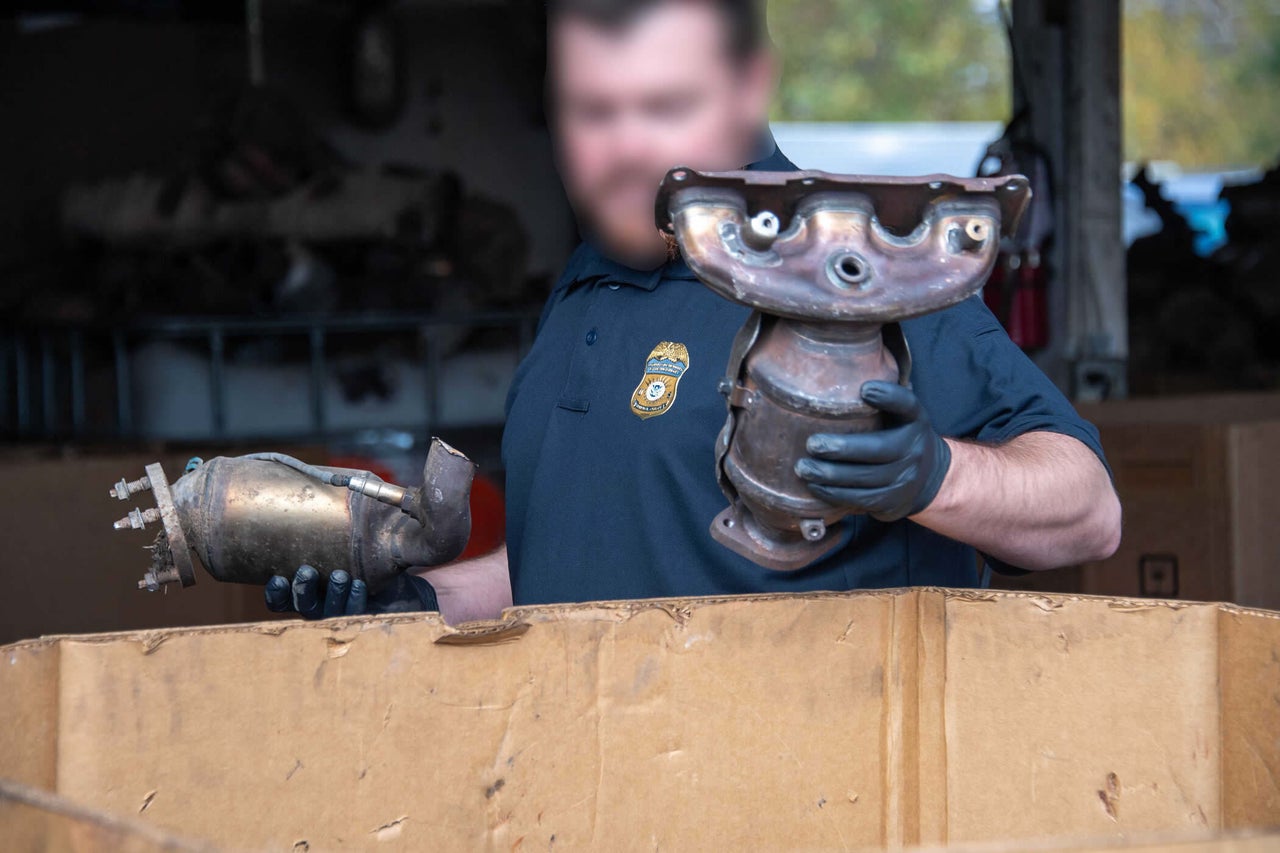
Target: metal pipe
[250, 517]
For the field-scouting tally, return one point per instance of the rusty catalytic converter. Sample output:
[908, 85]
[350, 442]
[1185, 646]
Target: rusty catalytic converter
[250, 517]
[830, 264]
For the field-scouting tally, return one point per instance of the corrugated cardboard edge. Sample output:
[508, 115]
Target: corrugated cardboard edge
[515, 621]
[35, 819]
[1249, 683]
[29, 736]
[914, 736]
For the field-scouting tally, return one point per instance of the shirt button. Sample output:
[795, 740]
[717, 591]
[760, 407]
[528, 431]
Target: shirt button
[591, 337]
[614, 286]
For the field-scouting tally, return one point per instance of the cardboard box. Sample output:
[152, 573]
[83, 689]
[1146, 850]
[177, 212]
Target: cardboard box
[32, 820]
[1197, 478]
[842, 721]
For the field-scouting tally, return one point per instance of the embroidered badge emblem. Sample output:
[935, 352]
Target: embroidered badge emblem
[662, 371]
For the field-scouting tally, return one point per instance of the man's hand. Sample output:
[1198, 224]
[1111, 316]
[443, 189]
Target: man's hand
[312, 598]
[1037, 501]
[891, 473]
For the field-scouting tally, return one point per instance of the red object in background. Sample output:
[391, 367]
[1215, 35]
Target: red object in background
[488, 518]
[1015, 293]
[488, 506]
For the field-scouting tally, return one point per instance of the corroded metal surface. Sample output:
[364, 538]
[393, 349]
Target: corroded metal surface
[829, 263]
[861, 249]
[172, 555]
[248, 519]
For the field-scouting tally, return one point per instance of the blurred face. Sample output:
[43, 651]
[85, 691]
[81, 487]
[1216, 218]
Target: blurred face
[629, 103]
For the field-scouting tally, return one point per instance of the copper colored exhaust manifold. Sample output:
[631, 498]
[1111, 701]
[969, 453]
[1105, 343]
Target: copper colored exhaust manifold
[830, 263]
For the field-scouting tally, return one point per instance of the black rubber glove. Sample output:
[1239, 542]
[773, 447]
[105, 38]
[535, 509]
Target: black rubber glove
[889, 474]
[310, 597]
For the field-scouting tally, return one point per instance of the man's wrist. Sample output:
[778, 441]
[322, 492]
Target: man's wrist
[937, 466]
[947, 495]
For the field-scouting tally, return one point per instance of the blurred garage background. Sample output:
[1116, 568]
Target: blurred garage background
[329, 227]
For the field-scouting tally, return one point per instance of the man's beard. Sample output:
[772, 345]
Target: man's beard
[673, 247]
[633, 242]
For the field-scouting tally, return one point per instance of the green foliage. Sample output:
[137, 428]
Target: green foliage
[1202, 82]
[891, 60]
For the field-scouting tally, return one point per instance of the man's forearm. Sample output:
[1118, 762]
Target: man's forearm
[1040, 501]
[472, 589]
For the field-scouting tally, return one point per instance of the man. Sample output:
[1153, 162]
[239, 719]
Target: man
[981, 453]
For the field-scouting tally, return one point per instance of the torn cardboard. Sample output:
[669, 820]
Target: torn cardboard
[821, 721]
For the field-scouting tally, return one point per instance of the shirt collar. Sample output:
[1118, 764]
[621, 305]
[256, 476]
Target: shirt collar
[769, 157]
[594, 267]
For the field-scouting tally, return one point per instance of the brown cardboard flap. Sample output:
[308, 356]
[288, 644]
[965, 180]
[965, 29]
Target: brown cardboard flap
[831, 720]
[29, 692]
[599, 723]
[1249, 672]
[1105, 718]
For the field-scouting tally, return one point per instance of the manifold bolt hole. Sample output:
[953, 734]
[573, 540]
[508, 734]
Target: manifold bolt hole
[977, 230]
[850, 270]
[765, 223]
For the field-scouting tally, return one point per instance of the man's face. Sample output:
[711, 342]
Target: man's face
[632, 102]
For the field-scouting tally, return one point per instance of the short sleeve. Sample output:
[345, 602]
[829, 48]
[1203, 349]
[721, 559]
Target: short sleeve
[977, 384]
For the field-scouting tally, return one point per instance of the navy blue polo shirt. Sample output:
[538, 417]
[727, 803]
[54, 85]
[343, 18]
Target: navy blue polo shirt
[604, 504]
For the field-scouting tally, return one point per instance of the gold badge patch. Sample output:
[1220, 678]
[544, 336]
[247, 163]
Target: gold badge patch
[662, 371]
